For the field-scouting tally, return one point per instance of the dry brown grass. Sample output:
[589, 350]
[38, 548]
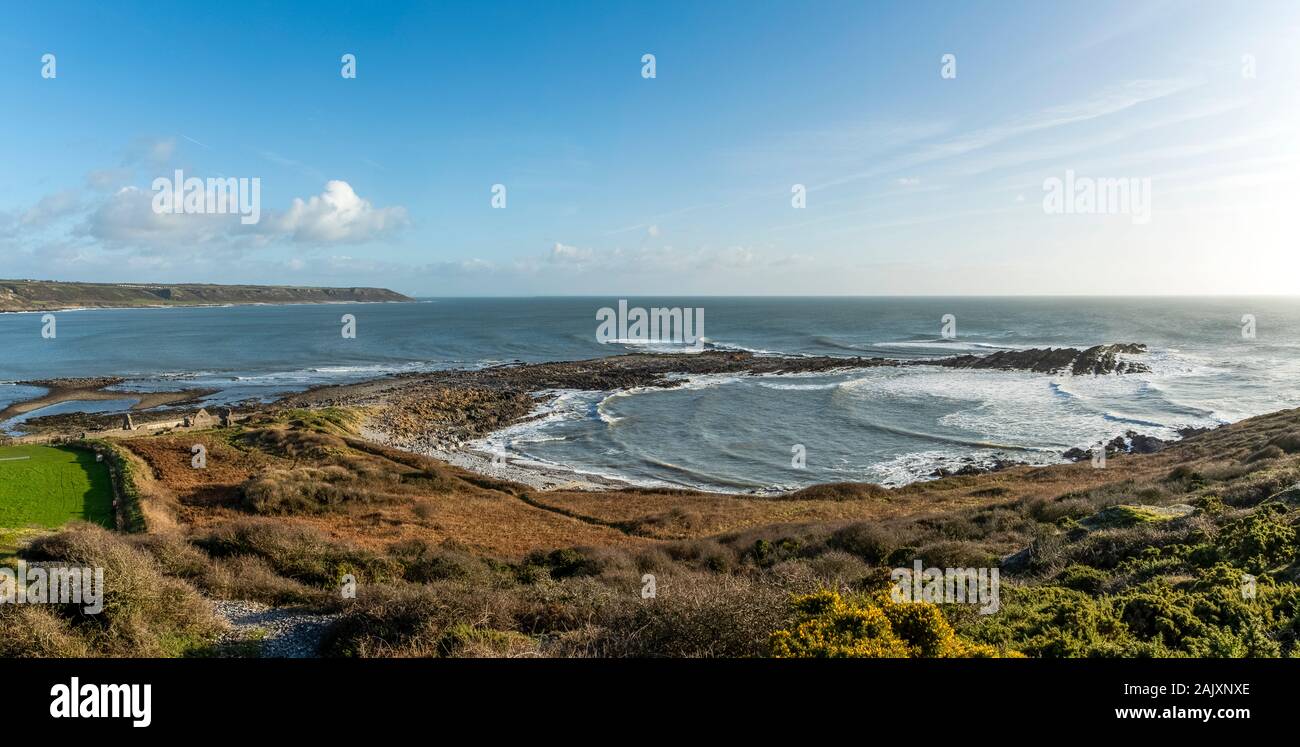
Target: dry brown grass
[145, 611]
[372, 496]
[427, 542]
[402, 497]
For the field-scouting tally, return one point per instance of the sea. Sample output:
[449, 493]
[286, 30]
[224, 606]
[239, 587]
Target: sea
[1213, 360]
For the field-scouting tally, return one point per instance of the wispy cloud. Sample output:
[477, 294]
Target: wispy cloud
[1105, 103]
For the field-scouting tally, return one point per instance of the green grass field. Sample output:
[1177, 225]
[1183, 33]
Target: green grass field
[46, 487]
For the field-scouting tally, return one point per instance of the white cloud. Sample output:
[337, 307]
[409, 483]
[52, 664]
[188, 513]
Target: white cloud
[51, 209]
[565, 253]
[128, 218]
[1109, 101]
[336, 216]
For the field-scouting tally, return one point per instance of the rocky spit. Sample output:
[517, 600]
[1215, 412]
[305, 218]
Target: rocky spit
[1097, 360]
[284, 633]
[441, 413]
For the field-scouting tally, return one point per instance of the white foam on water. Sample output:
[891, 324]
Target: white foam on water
[947, 345]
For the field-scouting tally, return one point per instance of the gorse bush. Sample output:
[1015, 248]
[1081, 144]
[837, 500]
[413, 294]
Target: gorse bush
[1155, 619]
[829, 625]
[1258, 542]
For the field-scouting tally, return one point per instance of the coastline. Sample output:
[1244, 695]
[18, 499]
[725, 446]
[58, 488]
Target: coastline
[447, 415]
[222, 305]
[480, 462]
[43, 296]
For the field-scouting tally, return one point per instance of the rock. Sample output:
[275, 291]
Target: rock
[1017, 561]
[281, 633]
[1140, 444]
[973, 468]
[1096, 360]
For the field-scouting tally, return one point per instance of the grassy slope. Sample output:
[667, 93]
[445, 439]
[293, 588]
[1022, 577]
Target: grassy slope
[50, 487]
[1143, 558]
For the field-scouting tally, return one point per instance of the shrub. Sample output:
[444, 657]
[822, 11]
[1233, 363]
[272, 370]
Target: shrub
[33, 631]
[951, 554]
[563, 563]
[1160, 614]
[308, 490]
[1268, 452]
[1287, 442]
[423, 562]
[296, 552]
[1258, 542]
[829, 625]
[251, 577]
[705, 554]
[840, 491]
[693, 615]
[765, 554]
[469, 642]
[838, 567]
[145, 613]
[406, 620]
[870, 542]
[1082, 578]
[1065, 507]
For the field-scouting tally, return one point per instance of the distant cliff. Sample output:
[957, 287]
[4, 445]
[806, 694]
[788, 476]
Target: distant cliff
[44, 295]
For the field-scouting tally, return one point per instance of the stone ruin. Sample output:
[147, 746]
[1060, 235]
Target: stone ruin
[200, 419]
[127, 423]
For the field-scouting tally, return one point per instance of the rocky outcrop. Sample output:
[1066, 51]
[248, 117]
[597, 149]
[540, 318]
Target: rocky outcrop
[971, 467]
[1132, 442]
[1096, 360]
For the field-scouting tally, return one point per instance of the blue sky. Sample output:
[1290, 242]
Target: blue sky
[915, 183]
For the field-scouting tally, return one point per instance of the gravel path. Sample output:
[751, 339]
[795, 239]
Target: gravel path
[284, 633]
